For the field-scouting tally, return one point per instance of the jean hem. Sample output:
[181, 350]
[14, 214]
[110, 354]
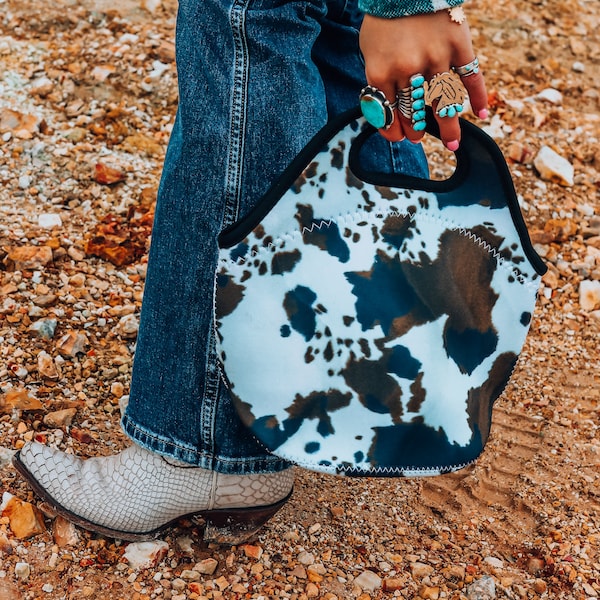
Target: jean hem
[180, 451]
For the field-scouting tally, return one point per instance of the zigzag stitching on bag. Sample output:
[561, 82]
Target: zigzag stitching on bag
[371, 216]
[384, 471]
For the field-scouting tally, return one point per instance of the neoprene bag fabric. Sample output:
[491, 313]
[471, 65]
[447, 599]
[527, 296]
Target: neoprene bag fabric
[367, 322]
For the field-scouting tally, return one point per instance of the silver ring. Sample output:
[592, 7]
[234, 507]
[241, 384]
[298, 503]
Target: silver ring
[471, 68]
[376, 108]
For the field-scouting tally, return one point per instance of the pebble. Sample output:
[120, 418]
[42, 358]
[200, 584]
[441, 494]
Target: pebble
[44, 328]
[420, 570]
[72, 343]
[482, 589]
[64, 533]
[550, 95]
[25, 519]
[30, 258]
[589, 295]
[306, 558]
[49, 221]
[368, 580]
[553, 167]
[22, 571]
[60, 418]
[47, 367]
[207, 566]
[145, 555]
[128, 326]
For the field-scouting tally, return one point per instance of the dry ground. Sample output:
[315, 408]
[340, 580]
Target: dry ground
[87, 97]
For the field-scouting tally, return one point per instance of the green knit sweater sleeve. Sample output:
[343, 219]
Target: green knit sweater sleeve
[389, 9]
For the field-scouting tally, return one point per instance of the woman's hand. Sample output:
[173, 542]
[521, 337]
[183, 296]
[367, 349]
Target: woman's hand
[396, 49]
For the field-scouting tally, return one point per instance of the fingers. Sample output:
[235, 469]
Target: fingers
[431, 44]
[475, 86]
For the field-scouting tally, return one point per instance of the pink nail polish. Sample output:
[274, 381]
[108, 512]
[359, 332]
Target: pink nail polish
[483, 113]
[453, 145]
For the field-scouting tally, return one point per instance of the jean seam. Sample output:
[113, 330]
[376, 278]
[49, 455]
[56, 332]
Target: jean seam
[239, 96]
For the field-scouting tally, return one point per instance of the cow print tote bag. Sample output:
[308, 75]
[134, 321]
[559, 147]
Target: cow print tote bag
[366, 322]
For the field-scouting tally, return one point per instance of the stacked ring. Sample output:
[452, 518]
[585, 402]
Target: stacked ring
[447, 89]
[411, 102]
[471, 68]
[376, 108]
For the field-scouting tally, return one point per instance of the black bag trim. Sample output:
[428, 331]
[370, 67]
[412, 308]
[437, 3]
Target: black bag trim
[235, 233]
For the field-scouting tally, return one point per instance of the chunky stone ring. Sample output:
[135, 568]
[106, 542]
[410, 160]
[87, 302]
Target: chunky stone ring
[411, 102]
[471, 68]
[376, 108]
[447, 89]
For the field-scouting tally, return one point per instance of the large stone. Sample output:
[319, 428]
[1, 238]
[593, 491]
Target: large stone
[25, 519]
[29, 258]
[553, 167]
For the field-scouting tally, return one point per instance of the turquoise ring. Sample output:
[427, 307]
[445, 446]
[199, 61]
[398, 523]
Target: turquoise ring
[411, 102]
[376, 108]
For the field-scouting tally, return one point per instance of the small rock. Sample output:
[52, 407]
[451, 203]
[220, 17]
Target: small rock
[420, 570]
[535, 565]
[60, 418]
[553, 167]
[306, 558]
[589, 295]
[64, 533]
[22, 571]
[299, 571]
[41, 86]
[494, 562]
[46, 366]
[128, 326]
[76, 254]
[45, 300]
[312, 591]
[25, 519]
[29, 258]
[72, 343]
[540, 586]
[429, 592]
[391, 584]
[108, 175]
[368, 580]
[44, 328]
[18, 399]
[207, 566]
[482, 589]
[49, 221]
[6, 456]
[145, 555]
[252, 551]
[190, 575]
[550, 95]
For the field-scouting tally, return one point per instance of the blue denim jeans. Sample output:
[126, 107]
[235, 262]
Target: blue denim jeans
[257, 79]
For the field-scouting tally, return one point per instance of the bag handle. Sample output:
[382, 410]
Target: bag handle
[480, 164]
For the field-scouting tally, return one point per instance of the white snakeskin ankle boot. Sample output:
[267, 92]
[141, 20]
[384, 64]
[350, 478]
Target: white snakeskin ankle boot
[136, 494]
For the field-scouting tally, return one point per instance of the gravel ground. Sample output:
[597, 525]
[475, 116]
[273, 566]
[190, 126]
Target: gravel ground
[87, 98]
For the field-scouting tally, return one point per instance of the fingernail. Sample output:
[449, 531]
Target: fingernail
[453, 145]
[483, 113]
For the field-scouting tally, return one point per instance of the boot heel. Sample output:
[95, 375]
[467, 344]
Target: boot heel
[235, 526]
